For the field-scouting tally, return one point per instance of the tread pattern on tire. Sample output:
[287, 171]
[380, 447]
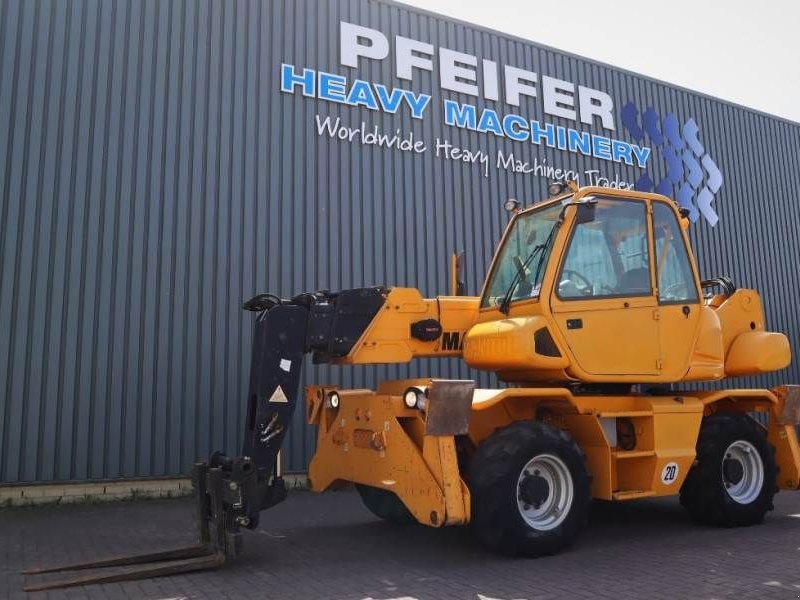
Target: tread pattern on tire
[703, 492]
[494, 473]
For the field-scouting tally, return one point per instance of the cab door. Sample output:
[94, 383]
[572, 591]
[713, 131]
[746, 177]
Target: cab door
[603, 302]
[677, 291]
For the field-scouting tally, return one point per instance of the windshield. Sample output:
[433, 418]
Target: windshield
[528, 231]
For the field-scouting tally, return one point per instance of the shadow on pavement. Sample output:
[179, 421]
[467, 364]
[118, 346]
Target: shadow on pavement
[330, 546]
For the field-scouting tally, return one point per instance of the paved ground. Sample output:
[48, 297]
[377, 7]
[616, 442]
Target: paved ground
[328, 546]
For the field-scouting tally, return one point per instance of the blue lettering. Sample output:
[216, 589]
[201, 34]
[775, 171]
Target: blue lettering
[490, 122]
[641, 154]
[334, 88]
[515, 127]
[562, 137]
[389, 103]
[416, 103]
[459, 115]
[579, 141]
[548, 132]
[331, 87]
[361, 95]
[290, 78]
[601, 147]
[621, 150]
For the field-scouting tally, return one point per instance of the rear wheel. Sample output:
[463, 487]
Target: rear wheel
[530, 490]
[732, 482]
[384, 504]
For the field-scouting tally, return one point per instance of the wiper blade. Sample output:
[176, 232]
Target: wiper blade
[542, 256]
[505, 304]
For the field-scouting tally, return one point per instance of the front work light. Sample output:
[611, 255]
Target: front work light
[555, 188]
[333, 400]
[411, 397]
[415, 398]
[511, 205]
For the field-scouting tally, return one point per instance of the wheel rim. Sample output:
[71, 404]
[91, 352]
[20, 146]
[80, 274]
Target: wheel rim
[742, 472]
[544, 492]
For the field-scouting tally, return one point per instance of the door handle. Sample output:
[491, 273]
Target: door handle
[574, 323]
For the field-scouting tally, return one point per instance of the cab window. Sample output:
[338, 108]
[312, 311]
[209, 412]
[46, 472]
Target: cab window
[521, 262]
[608, 255]
[675, 278]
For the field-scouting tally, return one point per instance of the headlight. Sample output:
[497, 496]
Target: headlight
[555, 188]
[412, 397]
[333, 400]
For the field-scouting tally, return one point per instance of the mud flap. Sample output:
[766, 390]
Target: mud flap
[449, 406]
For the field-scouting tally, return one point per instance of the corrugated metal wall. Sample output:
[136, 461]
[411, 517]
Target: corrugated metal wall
[152, 176]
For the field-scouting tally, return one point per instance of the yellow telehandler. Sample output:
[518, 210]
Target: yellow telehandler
[594, 315]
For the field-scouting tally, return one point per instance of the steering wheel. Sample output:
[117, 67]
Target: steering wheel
[587, 287]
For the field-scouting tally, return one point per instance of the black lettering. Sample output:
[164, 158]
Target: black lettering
[451, 340]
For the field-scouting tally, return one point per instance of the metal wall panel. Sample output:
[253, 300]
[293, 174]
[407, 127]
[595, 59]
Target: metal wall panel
[152, 177]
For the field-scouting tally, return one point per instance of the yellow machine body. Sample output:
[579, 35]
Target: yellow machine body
[635, 339]
[552, 348]
[372, 438]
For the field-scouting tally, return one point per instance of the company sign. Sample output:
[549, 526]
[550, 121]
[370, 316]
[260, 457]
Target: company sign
[509, 87]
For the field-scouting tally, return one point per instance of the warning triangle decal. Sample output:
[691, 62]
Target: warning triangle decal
[278, 395]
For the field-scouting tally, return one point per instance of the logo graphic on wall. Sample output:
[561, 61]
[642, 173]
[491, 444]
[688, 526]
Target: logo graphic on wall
[692, 176]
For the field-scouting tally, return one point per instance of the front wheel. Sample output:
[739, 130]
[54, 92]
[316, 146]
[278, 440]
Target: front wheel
[732, 482]
[530, 490]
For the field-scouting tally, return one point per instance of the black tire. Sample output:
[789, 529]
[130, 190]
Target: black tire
[705, 492]
[496, 488]
[384, 504]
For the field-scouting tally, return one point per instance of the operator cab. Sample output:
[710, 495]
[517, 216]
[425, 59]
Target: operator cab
[611, 273]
